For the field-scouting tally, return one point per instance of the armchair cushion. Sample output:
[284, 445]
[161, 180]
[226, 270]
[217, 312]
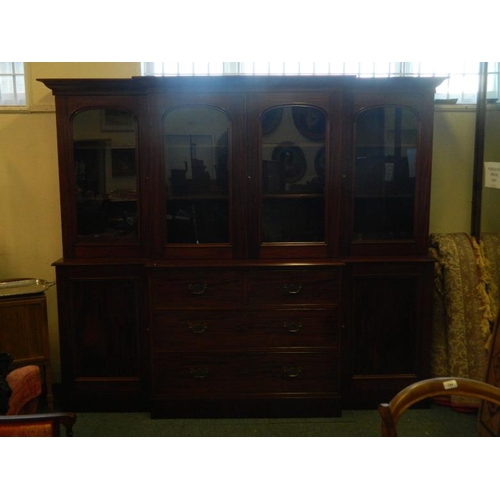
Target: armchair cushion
[26, 386]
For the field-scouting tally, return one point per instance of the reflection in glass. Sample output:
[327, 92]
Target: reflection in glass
[293, 174]
[197, 166]
[104, 145]
[386, 141]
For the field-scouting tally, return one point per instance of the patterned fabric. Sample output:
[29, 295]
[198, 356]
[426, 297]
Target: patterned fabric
[489, 418]
[489, 415]
[490, 248]
[462, 311]
[26, 385]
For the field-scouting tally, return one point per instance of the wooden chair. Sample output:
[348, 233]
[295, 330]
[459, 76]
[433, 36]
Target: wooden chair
[429, 388]
[40, 425]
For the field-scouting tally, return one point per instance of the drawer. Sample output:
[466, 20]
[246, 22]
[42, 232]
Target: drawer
[195, 289]
[298, 287]
[199, 330]
[294, 328]
[201, 375]
[240, 330]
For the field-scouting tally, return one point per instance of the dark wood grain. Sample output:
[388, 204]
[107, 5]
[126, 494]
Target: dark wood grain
[190, 328]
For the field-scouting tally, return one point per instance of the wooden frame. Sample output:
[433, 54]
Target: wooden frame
[39, 425]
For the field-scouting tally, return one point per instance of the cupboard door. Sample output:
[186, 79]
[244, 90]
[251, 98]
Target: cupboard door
[386, 140]
[293, 174]
[102, 174]
[105, 322]
[203, 174]
[101, 340]
[106, 175]
[388, 181]
[291, 147]
[389, 314]
[197, 170]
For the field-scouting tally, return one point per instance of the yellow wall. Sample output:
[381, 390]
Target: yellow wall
[30, 234]
[452, 168]
[30, 231]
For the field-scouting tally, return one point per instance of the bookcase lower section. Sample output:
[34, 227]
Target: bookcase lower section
[265, 340]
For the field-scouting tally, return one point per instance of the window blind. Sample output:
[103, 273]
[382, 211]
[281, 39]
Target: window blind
[462, 78]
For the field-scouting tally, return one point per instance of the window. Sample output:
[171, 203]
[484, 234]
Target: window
[462, 79]
[461, 84]
[12, 84]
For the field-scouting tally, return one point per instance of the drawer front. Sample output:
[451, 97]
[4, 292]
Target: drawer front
[300, 286]
[295, 328]
[201, 375]
[240, 330]
[189, 288]
[199, 330]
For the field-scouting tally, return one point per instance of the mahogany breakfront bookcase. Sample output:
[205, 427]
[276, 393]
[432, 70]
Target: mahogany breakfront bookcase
[243, 246]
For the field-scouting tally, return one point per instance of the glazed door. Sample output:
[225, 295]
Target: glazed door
[103, 173]
[200, 210]
[388, 182]
[292, 173]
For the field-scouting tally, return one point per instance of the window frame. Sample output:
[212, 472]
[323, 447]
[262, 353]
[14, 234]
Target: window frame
[17, 108]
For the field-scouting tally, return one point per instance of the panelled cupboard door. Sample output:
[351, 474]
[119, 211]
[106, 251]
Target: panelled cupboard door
[200, 150]
[389, 307]
[102, 345]
[294, 147]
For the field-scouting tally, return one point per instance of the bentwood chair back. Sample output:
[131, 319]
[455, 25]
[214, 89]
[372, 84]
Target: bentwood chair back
[391, 412]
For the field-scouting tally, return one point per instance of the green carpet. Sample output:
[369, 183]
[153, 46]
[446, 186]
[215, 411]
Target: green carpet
[434, 422]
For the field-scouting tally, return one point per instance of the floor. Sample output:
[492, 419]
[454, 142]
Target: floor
[433, 422]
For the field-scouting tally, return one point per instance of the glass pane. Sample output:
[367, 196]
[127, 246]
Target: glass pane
[104, 143]
[197, 165]
[293, 174]
[384, 176]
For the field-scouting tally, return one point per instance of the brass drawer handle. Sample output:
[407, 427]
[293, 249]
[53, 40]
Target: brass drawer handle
[292, 288]
[198, 327]
[292, 371]
[197, 288]
[292, 327]
[199, 373]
